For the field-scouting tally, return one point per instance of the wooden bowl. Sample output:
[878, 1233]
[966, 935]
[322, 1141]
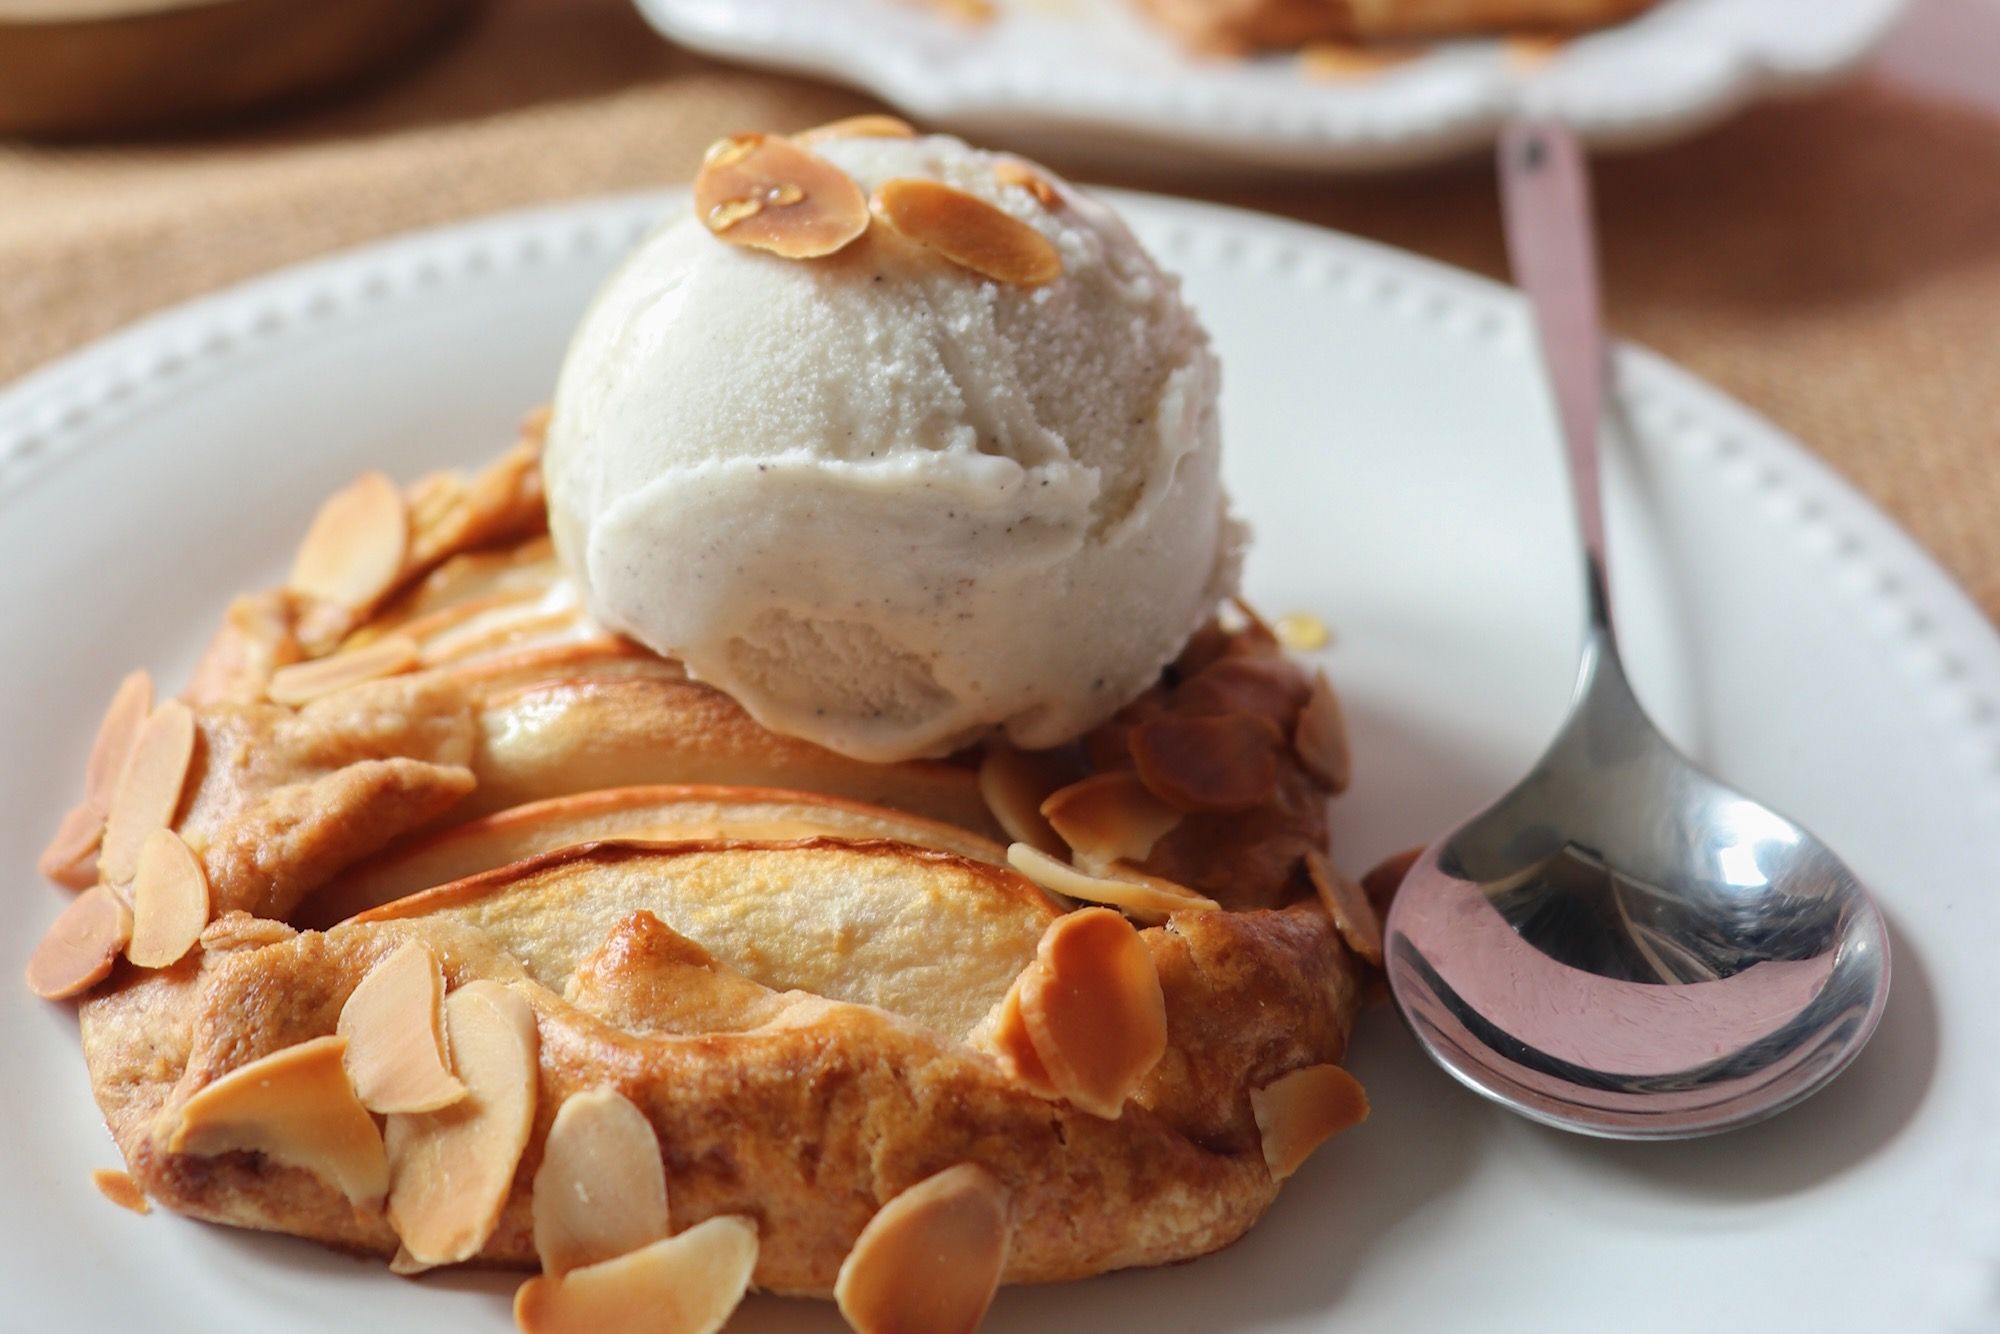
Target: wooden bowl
[84, 67]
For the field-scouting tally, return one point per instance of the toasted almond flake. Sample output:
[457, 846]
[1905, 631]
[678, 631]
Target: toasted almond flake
[170, 901]
[295, 1107]
[394, 1026]
[1301, 631]
[1125, 888]
[1014, 784]
[119, 1188]
[506, 629]
[686, 1284]
[303, 682]
[149, 790]
[1265, 684]
[81, 945]
[967, 230]
[406, 1265]
[766, 192]
[69, 858]
[1109, 817]
[1320, 738]
[1347, 60]
[354, 550]
[601, 1191]
[503, 604]
[1005, 1034]
[930, 1259]
[874, 126]
[131, 705]
[451, 1170]
[1347, 904]
[1299, 1111]
[1011, 171]
[1214, 765]
[1092, 1005]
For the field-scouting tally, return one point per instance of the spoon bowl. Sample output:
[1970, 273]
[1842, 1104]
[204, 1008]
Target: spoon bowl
[1627, 947]
[1623, 945]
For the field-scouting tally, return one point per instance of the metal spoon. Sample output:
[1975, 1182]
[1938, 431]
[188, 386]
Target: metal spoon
[1622, 945]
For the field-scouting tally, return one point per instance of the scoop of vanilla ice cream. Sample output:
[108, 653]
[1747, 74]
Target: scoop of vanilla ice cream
[885, 503]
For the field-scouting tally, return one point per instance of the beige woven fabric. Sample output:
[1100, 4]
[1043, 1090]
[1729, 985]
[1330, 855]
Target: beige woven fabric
[1835, 263]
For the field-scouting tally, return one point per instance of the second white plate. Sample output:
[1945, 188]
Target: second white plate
[1389, 440]
[1091, 81]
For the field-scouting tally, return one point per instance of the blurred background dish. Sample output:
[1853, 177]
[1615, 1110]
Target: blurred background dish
[1098, 81]
[114, 66]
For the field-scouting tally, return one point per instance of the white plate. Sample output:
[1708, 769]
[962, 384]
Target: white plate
[1091, 81]
[1390, 442]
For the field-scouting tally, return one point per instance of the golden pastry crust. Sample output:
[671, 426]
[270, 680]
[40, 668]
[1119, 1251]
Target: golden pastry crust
[1236, 27]
[818, 994]
[807, 1121]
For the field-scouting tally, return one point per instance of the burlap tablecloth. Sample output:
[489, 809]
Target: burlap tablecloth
[1835, 263]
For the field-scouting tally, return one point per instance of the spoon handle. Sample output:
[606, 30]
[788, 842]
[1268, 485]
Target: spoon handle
[1545, 192]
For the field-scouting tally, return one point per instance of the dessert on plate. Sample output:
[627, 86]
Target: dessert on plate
[1239, 26]
[809, 816]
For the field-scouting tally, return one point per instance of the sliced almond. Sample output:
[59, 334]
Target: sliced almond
[1122, 887]
[119, 1188]
[1109, 817]
[354, 550]
[295, 1107]
[394, 1026]
[170, 901]
[1347, 904]
[1092, 1005]
[687, 1284]
[451, 1170]
[1010, 171]
[1014, 784]
[131, 705]
[601, 1191]
[766, 192]
[1267, 685]
[967, 230]
[1217, 765]
[68, 859]
[404, 1264]
[874, 126]
[81, 945]
[1320, 739]
[1299, 1111]
[1005, 1034]
[303, 682]
[929, 1261]
[148, 790]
